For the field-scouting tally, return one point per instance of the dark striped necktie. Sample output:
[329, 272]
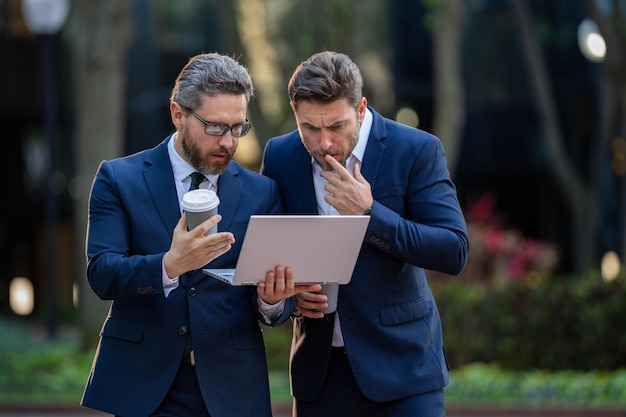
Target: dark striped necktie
[196, 179]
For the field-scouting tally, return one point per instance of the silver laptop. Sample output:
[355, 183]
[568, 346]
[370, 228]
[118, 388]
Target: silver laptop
[319, 249]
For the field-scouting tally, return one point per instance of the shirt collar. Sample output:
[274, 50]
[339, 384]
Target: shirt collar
[364, 133]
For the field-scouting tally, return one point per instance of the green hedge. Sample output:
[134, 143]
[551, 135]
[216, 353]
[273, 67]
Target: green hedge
[553, 323]
[490, 384]
[34, 370]
[547, 323]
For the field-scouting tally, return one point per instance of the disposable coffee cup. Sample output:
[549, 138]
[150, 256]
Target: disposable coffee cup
[330, 290]
[199, 205]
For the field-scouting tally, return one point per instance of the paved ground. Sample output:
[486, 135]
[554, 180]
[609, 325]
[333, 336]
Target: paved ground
[22, 411]
[284, 411]
[74, 414]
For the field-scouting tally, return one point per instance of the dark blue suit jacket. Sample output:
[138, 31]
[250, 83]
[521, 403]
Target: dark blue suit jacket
[389, 319]
[133, 211]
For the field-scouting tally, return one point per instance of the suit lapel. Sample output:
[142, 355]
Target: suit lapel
[292, 172]
[303, 190]
[229, 190]
[159, 179]
[374, 151]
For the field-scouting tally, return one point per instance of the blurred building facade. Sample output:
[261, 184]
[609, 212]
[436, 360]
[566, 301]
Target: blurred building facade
[502, 146]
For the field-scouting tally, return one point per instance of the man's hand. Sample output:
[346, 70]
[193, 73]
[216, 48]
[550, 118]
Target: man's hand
[192, 249]
[279, 285]
[347, 194]
[309, 303]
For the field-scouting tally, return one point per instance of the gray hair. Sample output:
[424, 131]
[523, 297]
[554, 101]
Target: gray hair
[208, 75]
[325, 77]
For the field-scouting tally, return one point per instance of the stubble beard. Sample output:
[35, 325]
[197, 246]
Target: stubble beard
[200, 162]
[319, 155]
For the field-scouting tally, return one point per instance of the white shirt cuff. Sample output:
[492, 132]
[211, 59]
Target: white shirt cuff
[169, 284]
[271, 311]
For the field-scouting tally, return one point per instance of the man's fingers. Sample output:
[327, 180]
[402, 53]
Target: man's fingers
[216, 240]
[311, 299]
[215, 252]
[312, 288]
[337, 167]
[314, 314]
[204, 227]
[182, 222]
[284, 281]
[357, 174]
[309, 305]
[267, 287]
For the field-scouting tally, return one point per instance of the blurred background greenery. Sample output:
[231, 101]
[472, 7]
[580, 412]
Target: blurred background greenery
[527, 96]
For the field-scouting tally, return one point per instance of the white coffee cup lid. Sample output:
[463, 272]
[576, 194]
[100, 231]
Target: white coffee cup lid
[200, 200]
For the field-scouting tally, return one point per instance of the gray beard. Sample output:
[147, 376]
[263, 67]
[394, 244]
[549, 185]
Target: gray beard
[198, 163]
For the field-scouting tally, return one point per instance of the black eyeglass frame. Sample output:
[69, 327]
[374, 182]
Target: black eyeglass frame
[245, 127]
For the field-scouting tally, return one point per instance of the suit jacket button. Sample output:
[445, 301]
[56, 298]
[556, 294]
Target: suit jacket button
[182, 330]
[192, 291]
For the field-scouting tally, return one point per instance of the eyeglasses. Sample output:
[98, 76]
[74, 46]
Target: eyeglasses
[220, 129]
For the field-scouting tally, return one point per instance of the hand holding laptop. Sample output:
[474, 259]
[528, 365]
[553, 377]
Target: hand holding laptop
[279, 285]
[311, 304]
[319, 249]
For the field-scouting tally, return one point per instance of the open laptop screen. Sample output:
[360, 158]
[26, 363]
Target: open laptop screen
[319, 249]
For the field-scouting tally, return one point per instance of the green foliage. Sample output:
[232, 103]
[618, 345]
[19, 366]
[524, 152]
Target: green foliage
[509, 307]
[35, 370]
[489, 384]
[277, 345]
[279, 387]
[556, 324]
[434, 15]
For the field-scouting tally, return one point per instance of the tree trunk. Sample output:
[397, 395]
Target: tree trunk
[611, 152]
[100, 46]
[576, 194]
[449, 96]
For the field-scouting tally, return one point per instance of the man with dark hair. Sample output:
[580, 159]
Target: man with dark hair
[381, 354]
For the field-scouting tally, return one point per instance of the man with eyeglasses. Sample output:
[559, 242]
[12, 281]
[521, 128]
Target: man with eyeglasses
[176, 342]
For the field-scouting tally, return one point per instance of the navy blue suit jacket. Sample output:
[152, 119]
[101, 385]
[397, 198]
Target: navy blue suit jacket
[133, 211]
[389, 319]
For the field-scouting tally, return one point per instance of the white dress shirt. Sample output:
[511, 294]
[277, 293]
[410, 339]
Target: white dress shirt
[325, 209]
[182, 171]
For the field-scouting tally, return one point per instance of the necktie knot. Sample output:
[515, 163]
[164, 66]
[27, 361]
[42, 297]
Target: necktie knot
[196, 179]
